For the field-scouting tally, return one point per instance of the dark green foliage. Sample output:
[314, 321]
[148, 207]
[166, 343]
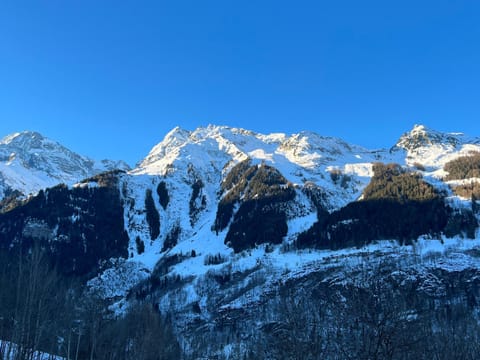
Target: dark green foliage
[198, 202]
[216, 259]
[461, 222]
[340, 178]
[159, 279]
[419, 166]
[107, 178]
[362, 222]
[11, 200]
[171, 239]
[254, 225]
[267, 183]
[142, 334]
[464, 167]
[235, 181]
[317, 196]
[262, 185]
[397, 205]
[153, 218]
[227, 203]
[224, 212]
[163, 194]
[89, 226]
[394, 183]
[140, 245]
[468, 190]
[234, 176]
[261, 193]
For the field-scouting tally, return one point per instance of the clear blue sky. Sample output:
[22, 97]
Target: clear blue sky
[110, 78]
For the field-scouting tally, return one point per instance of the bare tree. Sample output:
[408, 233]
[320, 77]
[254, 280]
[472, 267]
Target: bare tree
[31, 298]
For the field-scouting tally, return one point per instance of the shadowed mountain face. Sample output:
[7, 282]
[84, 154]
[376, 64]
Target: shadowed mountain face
[77, 227]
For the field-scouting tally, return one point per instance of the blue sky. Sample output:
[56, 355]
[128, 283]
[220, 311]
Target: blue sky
[111, 78]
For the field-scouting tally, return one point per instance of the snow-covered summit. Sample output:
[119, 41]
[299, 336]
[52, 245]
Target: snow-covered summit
[29, 162]
[421, 136]
[433, 149]
[306, 149]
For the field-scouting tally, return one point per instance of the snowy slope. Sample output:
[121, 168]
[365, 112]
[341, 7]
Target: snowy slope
[12, 350]
[208, 154]
[30, 162]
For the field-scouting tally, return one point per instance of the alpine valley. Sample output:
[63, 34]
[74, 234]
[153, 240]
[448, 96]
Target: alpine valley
[223, 243]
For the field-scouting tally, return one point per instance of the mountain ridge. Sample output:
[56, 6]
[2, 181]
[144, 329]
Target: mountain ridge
[30, 162]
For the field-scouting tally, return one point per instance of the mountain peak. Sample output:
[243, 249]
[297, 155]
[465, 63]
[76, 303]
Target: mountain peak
[22, 145]
[22, 137]
[30, 161]
[177, 132]
[420, 129]
[421, 136]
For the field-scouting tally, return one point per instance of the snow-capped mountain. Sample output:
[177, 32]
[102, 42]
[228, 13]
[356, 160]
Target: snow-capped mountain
[339, 170]
[303, 158]
[30, 162]
[433, 149]
[218, 222]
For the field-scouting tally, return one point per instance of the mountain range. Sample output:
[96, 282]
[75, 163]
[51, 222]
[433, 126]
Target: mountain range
[215, 224]
[30, 162]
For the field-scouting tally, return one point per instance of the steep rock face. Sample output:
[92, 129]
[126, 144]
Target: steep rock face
[30, 162]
